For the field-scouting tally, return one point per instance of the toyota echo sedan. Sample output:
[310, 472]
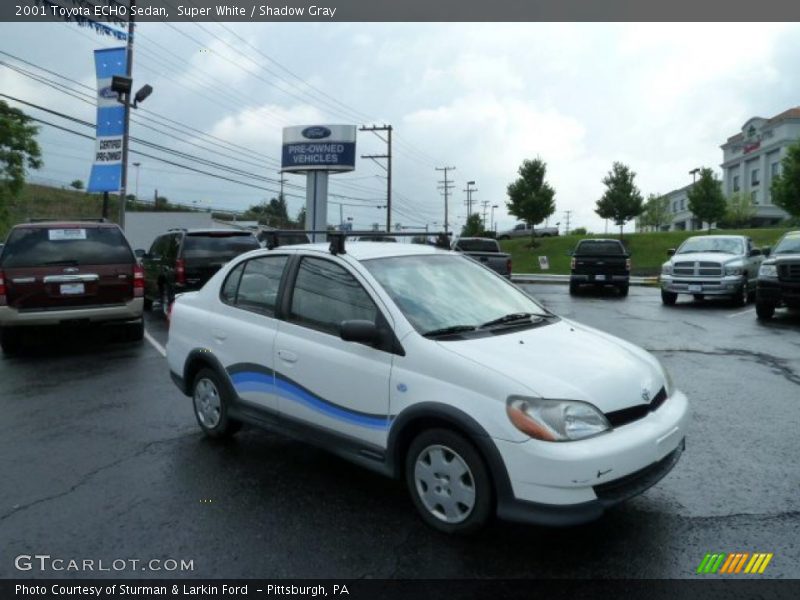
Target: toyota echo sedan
[422, 364]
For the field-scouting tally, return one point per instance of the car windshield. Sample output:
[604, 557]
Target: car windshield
[712, 244]
[600, 248]
[72, 246]
[789, 244]
[218, 245]
[437, 292]
[477, 245]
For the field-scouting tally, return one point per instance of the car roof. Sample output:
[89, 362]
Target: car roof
[599, 240]
[52, 224]
[367, 250]
[738, 237]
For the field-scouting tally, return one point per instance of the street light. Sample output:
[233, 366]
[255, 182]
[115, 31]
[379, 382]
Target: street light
[493, 223]
[694, 173]
[137, 165]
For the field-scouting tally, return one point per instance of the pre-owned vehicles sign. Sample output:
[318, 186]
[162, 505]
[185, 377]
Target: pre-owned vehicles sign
[319, 147]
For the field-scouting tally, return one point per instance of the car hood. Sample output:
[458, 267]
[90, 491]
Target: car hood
[566, 360]
[715, 257]
[781, 258]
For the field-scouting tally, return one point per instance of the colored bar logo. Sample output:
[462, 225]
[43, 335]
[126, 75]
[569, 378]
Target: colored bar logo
[734, 563]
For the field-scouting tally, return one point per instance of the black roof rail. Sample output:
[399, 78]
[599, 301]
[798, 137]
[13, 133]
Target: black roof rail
[337, 238]
[70, 220]
[177, 229]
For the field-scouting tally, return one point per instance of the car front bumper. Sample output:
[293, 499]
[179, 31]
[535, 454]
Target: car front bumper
[574, 482]
[599, 278]
[717, 286]
[128, 311]
[777, 292]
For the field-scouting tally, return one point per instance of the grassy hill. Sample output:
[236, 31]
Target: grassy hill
[648, 250]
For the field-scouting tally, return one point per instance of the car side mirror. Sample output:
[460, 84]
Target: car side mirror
[671, 252]
[359, 330]
[766, 251]
[755, 252]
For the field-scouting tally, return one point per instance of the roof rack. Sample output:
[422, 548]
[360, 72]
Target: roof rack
[337, 238]
[177, 229]
[70, 220]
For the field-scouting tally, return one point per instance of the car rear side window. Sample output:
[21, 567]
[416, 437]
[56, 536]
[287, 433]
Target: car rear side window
[42, 246]
[609, 248]
[253, 285]
[325, 294]
[218, 245]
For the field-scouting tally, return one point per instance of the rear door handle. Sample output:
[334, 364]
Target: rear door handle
[287, 356]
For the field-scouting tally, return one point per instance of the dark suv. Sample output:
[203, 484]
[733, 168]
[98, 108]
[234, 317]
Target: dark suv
[182, 260]
[779, 277]
[600, 262]
[76, 272]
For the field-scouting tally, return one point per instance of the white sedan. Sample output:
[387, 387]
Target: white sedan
[421, 364]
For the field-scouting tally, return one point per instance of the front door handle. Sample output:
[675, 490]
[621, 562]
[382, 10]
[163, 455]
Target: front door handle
[286, 356]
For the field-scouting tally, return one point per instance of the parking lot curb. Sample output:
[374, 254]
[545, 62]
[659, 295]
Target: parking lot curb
[564, 279]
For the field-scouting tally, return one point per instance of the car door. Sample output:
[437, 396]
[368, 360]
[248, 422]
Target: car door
[321, 379]
[243, 331]
[151, 264]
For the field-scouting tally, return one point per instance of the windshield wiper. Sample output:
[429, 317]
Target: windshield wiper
[511, 318]
[449, 330]
[69, 261]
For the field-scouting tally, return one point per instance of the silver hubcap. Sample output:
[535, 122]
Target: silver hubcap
[444, 484]
[207, 403]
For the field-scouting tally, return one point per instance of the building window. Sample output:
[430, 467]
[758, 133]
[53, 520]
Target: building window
[735, 183]
[775, 169]
[754, 180]
[754, 196]
[675, 206]
[682, 203]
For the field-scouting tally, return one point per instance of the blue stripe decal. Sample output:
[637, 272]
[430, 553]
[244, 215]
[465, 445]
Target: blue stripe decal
[249, 381]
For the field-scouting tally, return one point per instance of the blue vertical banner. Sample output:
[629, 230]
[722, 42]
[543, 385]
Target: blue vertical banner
[106, 173]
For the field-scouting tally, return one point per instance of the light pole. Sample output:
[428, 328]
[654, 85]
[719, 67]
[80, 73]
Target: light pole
[137, 165]
[493, 223]
[694, 173]
[469, 191]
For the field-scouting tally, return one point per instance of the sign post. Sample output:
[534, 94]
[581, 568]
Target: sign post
[318, 150]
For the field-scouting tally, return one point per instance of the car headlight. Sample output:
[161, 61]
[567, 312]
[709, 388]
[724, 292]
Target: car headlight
[768, 271]
[737, 270]
[555, 420]
[666, 269]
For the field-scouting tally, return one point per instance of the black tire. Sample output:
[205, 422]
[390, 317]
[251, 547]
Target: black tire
[669, 298]
[222, 426]
[765, 311]
[698, 297]
[573, 288]
[623, 290]
[742, 295]
[134, 332]
[475, 482]
[10, 340]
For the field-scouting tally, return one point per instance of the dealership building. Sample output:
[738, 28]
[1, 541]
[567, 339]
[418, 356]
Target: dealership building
[751, 160]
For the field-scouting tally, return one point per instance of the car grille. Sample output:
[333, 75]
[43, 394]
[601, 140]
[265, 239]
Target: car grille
[618, 418]
[707, 269]
[790, 272]
[637, 482]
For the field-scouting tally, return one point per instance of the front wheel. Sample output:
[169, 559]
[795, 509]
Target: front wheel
[211, 403]
[573, 288]
[742, 295]
[669, 298]
[448, 482]
[765, 310]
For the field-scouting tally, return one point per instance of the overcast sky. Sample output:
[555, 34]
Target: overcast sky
[661, 98]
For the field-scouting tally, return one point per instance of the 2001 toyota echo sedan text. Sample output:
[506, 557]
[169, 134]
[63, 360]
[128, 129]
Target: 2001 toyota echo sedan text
[423, 364]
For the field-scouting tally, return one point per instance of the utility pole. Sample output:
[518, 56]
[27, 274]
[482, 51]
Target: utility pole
[283, 180]
[388, 168]
[485, 205]
[126, 119]
[567, 214]
[494, 225]
[447, 187]
[469, 191]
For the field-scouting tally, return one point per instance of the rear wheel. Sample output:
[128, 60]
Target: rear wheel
[10, 340]
[448, 482]
[765, 310]
[134, 332]
[669, 298]
[573, 288]
[211, 402]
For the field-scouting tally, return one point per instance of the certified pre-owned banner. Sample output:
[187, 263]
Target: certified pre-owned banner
[107, 168]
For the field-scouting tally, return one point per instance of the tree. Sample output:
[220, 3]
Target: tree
[706, 200]
[786, 186]
[18, 151]
[531, 198]
[622, 200]
[473, 227]
[274, 213]
[300, 219]
[656, 214]
[77, 184]
[740, 210]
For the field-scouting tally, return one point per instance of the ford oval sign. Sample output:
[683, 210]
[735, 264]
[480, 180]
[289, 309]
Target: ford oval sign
[107, 92]
[316, 133]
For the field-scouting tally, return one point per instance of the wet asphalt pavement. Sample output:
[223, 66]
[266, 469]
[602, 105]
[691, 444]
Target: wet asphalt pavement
[101, 459]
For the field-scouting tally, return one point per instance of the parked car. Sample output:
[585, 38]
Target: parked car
[284, 238]
[600, 263]
[72, 272]
[712, 265]
[523, 230]
[182, 260]
[377, 238]
[420, 364]
[779, 277]
[486, 251]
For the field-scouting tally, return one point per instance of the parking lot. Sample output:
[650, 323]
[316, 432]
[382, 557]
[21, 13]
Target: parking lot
[102, 459]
